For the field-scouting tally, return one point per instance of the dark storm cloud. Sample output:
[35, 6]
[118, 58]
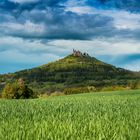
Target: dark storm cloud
[16, 7]
[47, 19]
[131, 5]
[56, 22]
[68, 25]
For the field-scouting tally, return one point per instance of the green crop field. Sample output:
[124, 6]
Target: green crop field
[92, 116]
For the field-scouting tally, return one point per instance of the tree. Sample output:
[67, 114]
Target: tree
[8, 92]
[135, 84]
[17, 90]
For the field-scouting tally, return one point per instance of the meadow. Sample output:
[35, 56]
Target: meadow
[89, 116]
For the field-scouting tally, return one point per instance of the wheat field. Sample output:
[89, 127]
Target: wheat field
[89, 116]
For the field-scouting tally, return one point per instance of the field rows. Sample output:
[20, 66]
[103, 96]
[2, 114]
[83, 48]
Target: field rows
[95, 116]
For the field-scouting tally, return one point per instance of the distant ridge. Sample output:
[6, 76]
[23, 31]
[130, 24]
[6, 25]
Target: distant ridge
[76, 69]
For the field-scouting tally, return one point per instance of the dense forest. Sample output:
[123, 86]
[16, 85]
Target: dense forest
[75, 70]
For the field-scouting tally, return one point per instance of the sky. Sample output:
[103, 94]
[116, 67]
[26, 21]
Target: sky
[35, 32]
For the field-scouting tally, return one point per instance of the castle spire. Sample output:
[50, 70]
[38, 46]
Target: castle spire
[79, 53]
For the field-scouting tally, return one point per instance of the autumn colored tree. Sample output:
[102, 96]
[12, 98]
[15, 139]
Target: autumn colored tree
[17, 90]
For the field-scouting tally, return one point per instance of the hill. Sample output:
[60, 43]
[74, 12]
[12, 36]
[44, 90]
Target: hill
[75, 70]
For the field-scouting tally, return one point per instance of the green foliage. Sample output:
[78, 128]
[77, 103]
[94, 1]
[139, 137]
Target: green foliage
[114, 88]
[94, 116]
[77, 90]
[135, 84]
[73, 71]
[17, 90]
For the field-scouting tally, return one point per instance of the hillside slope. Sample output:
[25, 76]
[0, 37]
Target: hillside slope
[73, 71]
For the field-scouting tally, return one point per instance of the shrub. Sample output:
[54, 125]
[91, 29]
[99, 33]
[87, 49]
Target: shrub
[135, 84]
[17, 90]
[76, 90]
[114, 88]
[57, 93]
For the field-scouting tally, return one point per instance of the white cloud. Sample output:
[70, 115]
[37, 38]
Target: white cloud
[17, 54]
[14, 56]
[126, 20]
[98, 46]
[48, 23]
[122, 19]
[80, 9]
[27, 28]
[23, 46]
[35, 52]
[110, 46]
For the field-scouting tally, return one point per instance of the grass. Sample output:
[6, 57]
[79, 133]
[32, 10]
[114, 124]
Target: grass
[92, 116]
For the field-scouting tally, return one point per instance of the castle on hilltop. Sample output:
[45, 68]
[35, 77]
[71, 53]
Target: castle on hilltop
[79, 53]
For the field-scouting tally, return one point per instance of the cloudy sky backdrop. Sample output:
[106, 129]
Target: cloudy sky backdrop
[35, 32]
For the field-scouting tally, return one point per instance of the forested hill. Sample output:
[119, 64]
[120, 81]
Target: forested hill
[74, 70]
